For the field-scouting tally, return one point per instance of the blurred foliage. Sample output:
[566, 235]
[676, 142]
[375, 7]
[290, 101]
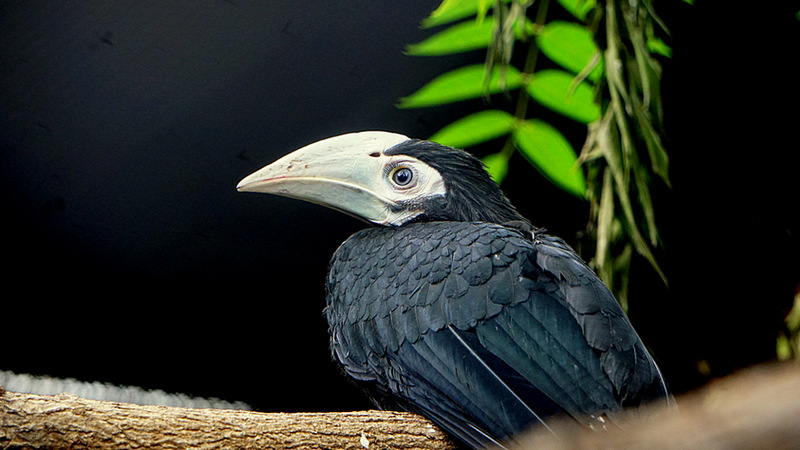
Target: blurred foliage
[788, 344]
[604, 74]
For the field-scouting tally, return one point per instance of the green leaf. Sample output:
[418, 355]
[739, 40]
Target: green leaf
[497, 166]
[605, 228]
[783, 348]
[578, 8]
[553, 88]
[452, 10]
[551, 153]
[462, 84]
[475, 129]
[658, 46]
[571, 46]
[462, 37]
[659, 160]
[483, 7]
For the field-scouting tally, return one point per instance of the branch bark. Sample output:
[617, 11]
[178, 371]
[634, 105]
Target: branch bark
[757, 408]
[66, 421]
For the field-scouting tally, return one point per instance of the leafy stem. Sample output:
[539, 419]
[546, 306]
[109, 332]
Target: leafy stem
[608, 81]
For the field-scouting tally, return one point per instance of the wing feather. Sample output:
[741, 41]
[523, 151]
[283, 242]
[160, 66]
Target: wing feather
[483, 329]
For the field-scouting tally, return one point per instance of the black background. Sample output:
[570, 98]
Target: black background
[130, 258]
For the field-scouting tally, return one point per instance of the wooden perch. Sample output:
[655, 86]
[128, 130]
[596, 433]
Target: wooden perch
[67, 421]
[758, 408]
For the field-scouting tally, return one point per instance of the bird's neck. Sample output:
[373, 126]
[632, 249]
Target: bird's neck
[455, 209]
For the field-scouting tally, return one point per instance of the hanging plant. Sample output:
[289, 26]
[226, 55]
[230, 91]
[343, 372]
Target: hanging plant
[608, 81]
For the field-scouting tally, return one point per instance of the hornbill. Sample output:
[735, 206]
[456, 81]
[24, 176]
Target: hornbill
[454, 306]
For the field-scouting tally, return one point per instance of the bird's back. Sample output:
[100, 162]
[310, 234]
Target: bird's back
[484, 329]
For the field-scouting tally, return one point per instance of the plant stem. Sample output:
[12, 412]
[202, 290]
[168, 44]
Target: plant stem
[521, 110]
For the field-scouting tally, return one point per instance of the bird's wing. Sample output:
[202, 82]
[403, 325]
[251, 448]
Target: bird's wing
[624, 359]
[477, 327]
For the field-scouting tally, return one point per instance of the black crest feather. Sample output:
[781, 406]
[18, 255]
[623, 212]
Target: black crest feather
[472, 195]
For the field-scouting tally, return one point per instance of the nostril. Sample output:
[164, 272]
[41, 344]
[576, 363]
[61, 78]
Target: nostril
[375, 154]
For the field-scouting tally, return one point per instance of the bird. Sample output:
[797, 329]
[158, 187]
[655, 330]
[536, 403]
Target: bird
[452, 305]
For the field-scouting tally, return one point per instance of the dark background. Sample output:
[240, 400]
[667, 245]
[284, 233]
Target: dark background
[130, 258]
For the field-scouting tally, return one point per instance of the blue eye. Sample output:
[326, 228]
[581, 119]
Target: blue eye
[403, 176]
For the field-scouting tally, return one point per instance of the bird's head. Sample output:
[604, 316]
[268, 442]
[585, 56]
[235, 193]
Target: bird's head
[387, 179]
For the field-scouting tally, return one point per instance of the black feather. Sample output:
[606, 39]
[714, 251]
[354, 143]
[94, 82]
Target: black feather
[541, 326]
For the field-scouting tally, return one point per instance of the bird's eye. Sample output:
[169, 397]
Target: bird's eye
[402, 176]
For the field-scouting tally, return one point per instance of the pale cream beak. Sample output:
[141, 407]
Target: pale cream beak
[342, 172]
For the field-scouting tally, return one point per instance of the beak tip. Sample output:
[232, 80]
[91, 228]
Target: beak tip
[246, 184]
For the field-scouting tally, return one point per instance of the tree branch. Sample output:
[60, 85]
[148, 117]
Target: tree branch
[757, 408]
[67, 421]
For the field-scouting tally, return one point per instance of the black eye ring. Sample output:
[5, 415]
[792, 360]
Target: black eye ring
[402, 176]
